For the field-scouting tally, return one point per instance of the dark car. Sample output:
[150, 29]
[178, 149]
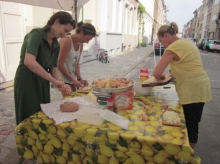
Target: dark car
[201, 43]
[158, 47]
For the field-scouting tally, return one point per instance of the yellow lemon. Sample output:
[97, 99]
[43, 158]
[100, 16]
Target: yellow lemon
[159, 158]
[30, 141]
[52, 129]
[35, 150]
[64, 125]
[106, 151]
[133, 128]
[102, 159]
[150, 129]
[120, 154]
[147, 152]
[135, 146]
[113, 136]
[71, 141]
[196, 160]
[18, 138]
[113, 142]
[177, 134]
[130, 153]
[92, 131]
[48, 121]
[83, 154]
[167, 137]
[42, 138]
[177, 141]
[150, 162]
[127, 136]
[88, 138]
[42, 131]
[66, 147]
[32, 134]
[183, 155]
[87, 160]
[188, 149]
[65, 154]
[40, 159]
[137, 159]
[172, 149]
[76, 157]
[150, 140]
[17, 128]
[48, 148]
[80, 133]
[52, 158]
[39, 145]
[115, 128]
[28, 154]
[120, 148]
[46, 158]
[61, 133]
[56, 142]
[89, 151]
[60, 160]
[113, 161]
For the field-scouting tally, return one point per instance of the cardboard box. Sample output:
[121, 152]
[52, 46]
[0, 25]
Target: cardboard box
[123, 100]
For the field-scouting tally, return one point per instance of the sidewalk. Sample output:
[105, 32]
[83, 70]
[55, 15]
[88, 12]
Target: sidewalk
[121, 65]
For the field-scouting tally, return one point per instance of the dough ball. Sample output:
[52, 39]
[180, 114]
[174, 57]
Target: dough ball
[69, 106]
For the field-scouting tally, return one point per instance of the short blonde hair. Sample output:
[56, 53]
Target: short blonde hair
[171, 29]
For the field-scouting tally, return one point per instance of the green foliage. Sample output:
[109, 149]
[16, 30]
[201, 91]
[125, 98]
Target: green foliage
[143, 44]
[142, 9]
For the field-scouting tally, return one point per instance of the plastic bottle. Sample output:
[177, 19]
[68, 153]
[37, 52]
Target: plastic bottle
[144, 74]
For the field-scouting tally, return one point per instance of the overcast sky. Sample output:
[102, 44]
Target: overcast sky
[181, 11]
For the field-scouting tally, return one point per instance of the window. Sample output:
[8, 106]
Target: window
[214, 17]
[215, 2]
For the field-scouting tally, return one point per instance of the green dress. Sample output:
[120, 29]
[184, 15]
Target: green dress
[30, 90]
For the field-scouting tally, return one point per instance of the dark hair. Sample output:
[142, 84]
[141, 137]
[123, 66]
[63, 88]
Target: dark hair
[64, 18]
[87, 28]
[171, 29]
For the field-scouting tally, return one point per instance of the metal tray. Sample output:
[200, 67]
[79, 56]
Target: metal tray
[113, 90]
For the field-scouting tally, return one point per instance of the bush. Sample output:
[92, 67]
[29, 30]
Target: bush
[143, 44]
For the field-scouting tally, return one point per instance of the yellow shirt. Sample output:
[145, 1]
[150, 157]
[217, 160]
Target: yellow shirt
[192, 82]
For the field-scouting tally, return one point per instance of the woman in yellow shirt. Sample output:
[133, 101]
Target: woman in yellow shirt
[192, 82]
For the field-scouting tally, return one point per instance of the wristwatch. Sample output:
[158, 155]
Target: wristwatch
[79, 79]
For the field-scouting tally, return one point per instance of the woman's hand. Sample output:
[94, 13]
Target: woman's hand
[59, 84]
[77, 83]
[84, 82]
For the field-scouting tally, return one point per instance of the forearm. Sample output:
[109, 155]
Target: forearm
[55, 73]
[78, 74]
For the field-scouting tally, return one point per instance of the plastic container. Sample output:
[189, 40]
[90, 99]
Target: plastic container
[142, 90]
[90, 116]
[144, 74]
[110, 103]
[103, 105]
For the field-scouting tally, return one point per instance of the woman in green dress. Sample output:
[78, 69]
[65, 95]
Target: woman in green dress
[38, 66]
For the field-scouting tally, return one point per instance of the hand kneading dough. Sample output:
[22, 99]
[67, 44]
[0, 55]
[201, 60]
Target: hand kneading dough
[69, 107]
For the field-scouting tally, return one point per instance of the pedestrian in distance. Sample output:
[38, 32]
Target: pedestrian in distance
[71, 47]
[192, 83]
[38, 66]
[207, 46]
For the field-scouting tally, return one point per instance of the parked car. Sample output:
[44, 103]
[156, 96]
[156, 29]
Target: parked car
[157, 48]
[201, 43]
[214, 45]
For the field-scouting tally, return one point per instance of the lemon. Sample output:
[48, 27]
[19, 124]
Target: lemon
[137, 133]
[112, 142]
[36, 121]
[113, 136]
[52, 129]
[18, 138]
[89, 151]
[150, 140]
[139, 123]
[120, 154]
[137, 159]
[39, 145]
[61, 133]
[76, 147]
[41, 115]
[20, 146]
[30, 141]
[48, 148]
[150, 162]
[177, 141]
[188, 149]
[83, 154]
[42, 131]
[66, 147]
[65, 154]
[56, 142]
[40, 159]
[80, 133]
[172, 149]
[155, 123]
[177, 134]
[71, 141]
[88, 138]
[147, 152]
[71, 162]
[92, 131]
[48, 121]
[64, 125]
[113, 161]
[135, 146]
[42, 138]
[60, 160]
[106, 151]
[133, 128]
[76, 157]
[102, 159]
[130, 153]
[127, 136]
[28, 154]
[196, 160]
[18, 128]
[159, 158]
[52, 158]
[32, 134]
[150, 129]
[35, 150]
[167, 137]
[163, 152]
[120, 148]
[114, 128]
[87, 160]
[185, 156]
[46, 158]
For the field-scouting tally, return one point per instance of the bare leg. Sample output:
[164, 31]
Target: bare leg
[192, 145]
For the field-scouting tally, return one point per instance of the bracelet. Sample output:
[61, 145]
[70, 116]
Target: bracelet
[60, 79]
[79, 79]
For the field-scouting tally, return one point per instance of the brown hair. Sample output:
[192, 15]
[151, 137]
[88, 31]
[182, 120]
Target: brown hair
[171, 29]
[87, 28]
[64, 18]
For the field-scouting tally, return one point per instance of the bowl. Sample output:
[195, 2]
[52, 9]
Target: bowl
[142, 90]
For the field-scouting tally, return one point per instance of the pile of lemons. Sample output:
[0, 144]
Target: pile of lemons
[145, 142]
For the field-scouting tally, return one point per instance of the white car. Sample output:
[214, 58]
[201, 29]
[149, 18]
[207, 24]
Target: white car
[214, 45]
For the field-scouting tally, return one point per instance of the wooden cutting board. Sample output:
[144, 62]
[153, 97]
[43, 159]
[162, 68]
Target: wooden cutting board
[162, 82]
[174, 124]
[81, 90]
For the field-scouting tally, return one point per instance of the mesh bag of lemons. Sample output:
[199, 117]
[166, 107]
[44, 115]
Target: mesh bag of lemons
[146, 141]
